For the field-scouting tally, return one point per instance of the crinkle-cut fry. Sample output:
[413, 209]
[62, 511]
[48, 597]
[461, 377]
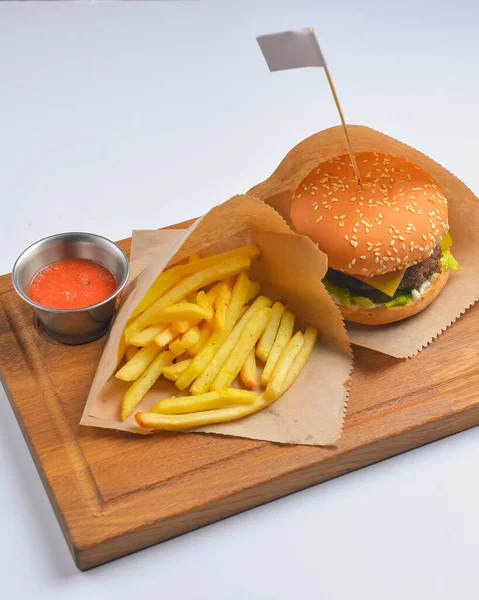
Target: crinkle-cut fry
[192, 283]
[204, 381]
[246, 342]
[284, 363]
[166, 280]
[166, 337]
[248, 373]
[202, 359]
[221, 305]
[309, 339]
[205, 332]
[138, 363]
[253, 291]
[148, 335]
[130, 352]
[237, 300]
[172, 372]
[154, 421]
[266, 341]
[139, 388]
[283, 336]
[192, 258]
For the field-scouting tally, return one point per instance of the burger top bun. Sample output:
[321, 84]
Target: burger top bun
[395, 222]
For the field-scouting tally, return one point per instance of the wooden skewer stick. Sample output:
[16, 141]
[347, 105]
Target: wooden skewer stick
[343, 122]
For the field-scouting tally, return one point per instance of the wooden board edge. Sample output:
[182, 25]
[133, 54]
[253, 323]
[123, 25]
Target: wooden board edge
[274, 489]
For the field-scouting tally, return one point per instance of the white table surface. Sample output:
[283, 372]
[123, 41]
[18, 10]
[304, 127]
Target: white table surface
[125, 115]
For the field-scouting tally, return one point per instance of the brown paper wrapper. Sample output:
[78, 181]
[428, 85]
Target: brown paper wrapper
[404, 338]
[290, 268]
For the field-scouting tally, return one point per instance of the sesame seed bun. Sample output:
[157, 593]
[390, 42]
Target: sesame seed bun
[395, 222]
[382, 315]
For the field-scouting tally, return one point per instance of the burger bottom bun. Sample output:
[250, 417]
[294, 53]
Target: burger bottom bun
[382, 315]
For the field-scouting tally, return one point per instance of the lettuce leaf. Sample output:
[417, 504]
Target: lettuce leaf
[362, 301]
[341, 294]
[448, 262]
[399, 301]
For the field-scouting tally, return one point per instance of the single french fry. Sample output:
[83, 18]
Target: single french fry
[187, 404]
[246, 342]
[148, 335]
[283, 365]
[237, 300]
[208, 401]
[309, 339]
[143, 384]
[266, 341]
[204, 381]
[184, 422]
[248, 373]
[283, 336]
[166, 337]
[192, 283]
[205, 332]
[121, 350]
[183, 311]
[254, 290]
[203, 301]
[172, 372]
[169, 278]
[237, 396]
[130, 352]
[136, 366]
[181, 326]
[194, 258]
[202, 359]
[221, 305]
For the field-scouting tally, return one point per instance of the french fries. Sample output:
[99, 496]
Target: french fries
[192, 283]
[283, 365]
[285, 331]
[201, 325]
[248, 373]
[138, 363]
[202, 384]
[269, 334]
[143, 384]
[172, 372]
[246, 342]
[208, 401]
[221, 305]
[309, 339]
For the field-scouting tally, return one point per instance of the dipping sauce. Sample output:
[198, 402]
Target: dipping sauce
[72, 283]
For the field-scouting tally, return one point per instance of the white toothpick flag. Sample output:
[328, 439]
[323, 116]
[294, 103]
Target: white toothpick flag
[295, 50]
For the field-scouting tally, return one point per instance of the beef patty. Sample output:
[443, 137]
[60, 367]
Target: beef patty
[413, 277]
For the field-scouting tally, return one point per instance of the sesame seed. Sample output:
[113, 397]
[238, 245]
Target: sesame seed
[319, 219]
[346, 237]
[362, 257]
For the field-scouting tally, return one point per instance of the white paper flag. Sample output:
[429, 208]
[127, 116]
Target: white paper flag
[291, 50]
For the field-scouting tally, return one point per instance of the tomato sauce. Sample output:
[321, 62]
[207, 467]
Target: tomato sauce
[72, 283]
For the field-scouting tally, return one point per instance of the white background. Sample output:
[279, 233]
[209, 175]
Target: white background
[115, 116]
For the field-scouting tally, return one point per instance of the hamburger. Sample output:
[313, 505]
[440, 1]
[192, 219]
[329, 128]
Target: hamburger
[388, 244]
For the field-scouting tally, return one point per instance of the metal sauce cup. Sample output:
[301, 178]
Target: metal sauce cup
[79, 325]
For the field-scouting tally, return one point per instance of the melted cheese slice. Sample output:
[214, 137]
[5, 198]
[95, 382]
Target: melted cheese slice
[387, 283]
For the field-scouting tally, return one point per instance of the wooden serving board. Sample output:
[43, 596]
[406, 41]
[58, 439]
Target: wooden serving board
[115, 493]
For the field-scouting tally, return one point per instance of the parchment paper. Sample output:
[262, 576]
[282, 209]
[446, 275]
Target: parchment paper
[291, 267]
[404, 338]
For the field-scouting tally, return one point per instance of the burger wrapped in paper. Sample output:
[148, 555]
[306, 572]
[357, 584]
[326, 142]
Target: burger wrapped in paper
[388, 243]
